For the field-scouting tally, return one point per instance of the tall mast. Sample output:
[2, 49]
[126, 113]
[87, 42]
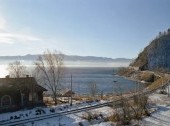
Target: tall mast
[71, 91]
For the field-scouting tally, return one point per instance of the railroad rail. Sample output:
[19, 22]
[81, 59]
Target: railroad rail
[52, 115]
[72, 111]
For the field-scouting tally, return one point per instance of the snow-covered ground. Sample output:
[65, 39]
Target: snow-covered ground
[40, 111]
[77, 119]
[97, 117]
[161, 116]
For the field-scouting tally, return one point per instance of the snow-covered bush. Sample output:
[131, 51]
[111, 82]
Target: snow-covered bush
[52, 110]
[39, 111]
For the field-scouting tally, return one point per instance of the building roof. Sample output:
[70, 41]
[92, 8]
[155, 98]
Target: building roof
[28, 82]
[68, 93]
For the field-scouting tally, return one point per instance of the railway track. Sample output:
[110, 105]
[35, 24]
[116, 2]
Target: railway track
[57, 114]
[52, 115]
[72, 111]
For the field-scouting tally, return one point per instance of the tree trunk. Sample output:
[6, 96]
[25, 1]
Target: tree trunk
[55, 99]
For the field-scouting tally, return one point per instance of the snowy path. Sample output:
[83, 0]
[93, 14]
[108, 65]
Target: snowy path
[159, 118]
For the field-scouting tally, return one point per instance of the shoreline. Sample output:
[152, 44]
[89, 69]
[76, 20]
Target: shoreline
[132, 79]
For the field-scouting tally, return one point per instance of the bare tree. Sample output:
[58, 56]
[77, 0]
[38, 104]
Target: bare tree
[50, 68]
[131, 108]
[93, 89]
[16, 69]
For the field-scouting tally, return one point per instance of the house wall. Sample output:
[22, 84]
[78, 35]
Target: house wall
[18, 93]
[12, 97]
[40, 96]
[37, 96]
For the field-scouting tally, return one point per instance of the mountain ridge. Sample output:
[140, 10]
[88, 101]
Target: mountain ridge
[68, 58]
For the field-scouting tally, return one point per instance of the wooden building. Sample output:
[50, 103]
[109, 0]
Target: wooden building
[17, 93]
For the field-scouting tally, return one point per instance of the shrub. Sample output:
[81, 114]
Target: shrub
[146, 76]
[16, 117]
[89, 116]
[52, 110]
[114, 118]
[80, 124]
[11, 117]
[39, 111]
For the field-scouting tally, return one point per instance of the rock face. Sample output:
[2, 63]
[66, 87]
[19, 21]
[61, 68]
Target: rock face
[156, 55]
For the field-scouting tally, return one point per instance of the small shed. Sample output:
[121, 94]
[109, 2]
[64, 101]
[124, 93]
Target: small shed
[68, 93]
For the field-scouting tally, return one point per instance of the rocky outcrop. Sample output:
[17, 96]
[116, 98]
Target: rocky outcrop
[156, 55]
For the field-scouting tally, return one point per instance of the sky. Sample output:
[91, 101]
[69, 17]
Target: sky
[107, 28]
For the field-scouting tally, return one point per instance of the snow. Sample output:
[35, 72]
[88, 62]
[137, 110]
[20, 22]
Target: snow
[161, 115]
[105, 111]
[159, 103]
[25, 114]
[66, 120]
[104, 124]
[76, 119]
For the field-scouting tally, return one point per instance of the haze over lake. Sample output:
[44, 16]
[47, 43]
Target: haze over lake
[69, 61]
[84, 73]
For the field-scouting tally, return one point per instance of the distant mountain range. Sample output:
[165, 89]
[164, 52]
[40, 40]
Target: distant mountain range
[69, 58]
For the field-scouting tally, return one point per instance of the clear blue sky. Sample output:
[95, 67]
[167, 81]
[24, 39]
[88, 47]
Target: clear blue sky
[109, 28]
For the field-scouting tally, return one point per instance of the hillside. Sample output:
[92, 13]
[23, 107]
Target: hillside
[69, 58]
[156, 56]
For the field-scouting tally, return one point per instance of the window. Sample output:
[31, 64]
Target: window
[5, 100]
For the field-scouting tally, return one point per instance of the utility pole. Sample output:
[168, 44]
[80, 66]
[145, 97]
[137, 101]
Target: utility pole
[71, 91]
[168, 90]
[162, 85]
[168, 86]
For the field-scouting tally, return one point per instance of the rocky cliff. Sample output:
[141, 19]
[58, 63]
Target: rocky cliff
[156, 55]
